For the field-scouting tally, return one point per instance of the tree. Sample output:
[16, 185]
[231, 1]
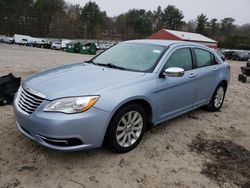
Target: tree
[202, 23]
[74, 26]
[172, 17]
[45, 10]
[120, 26]
[214, 27]
[93, 19]
[136, 23]
[2, 14]
[227, 26]
[157, 19]
[190, 26]
[15, 15]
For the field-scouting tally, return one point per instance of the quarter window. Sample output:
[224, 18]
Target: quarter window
[181, 58]
[203, 57]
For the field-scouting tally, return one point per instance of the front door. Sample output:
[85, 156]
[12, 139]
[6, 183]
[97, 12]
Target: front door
[176, 94]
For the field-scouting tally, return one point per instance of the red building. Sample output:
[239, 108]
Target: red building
[165, 34]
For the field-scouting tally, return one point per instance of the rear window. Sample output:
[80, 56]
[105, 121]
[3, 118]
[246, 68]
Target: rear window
[203, 57]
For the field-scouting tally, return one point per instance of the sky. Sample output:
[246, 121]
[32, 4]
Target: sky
[238, 9]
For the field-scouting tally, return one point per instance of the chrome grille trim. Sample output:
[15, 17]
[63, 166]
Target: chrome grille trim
[35, 98]
[28, 102]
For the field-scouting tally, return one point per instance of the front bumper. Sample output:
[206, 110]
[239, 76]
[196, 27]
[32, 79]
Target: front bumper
[50, 129]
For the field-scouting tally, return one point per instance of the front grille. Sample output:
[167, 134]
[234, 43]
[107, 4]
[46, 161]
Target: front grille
[29, 102]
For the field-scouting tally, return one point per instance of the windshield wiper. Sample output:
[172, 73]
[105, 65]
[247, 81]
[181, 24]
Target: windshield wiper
[89, 61]
[109, 65]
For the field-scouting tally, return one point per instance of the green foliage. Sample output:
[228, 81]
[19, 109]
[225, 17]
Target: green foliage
[172, 17]
[2, 6]
[138, 23]
[92, 18]
[202, 24]
[45, 10]
[236, 42]
[227, 26]
[157, 19]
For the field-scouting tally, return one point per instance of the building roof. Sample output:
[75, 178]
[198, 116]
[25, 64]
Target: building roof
[187, 36]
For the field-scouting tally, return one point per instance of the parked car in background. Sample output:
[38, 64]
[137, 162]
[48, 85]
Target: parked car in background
[222, 56]
[228, 54]
[117, 95]
[6, 40]
[56, 46]
[240, 56]
[42, 43]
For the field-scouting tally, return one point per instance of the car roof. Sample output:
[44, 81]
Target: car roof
[165, 43]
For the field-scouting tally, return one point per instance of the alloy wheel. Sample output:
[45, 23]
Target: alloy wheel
[129, 128]
[218, 100]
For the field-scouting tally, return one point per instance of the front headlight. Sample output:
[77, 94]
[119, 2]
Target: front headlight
[71, 105]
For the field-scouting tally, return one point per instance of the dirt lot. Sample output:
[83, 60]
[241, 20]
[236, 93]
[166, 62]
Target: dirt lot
[183, 152]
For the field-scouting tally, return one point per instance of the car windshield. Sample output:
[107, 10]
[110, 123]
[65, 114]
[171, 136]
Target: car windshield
[131, 56]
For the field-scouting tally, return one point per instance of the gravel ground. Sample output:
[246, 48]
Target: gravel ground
[163, 159]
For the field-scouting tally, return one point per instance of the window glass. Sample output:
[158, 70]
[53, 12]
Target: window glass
[203, 58]
[180, 58]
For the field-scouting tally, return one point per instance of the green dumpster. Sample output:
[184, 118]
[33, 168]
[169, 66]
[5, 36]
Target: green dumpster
[73, 47]
[77, 47]
[89, 49]
[70, 48]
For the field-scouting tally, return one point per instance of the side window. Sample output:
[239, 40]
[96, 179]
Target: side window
[181, 58]
[215, 59]
[204, 58]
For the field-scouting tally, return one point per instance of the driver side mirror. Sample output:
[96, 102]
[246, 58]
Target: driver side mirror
[173, 72]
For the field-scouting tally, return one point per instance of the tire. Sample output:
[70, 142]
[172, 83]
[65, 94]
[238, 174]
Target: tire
[54, 48]
[244, 78]
[240, 77]
[120, 131]
[217, 99]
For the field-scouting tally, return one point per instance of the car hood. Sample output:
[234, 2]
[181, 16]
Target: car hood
[77, 80]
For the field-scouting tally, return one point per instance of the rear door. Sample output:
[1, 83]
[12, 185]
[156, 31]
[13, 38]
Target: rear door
[206, 70]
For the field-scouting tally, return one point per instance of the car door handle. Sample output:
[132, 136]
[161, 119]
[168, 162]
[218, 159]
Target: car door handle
[192, 75]
[215, 69]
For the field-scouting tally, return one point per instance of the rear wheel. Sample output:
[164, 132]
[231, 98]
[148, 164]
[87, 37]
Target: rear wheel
[218, 98]
[126, 128]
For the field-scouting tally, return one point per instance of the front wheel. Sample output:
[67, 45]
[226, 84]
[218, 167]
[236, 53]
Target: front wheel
[127, 128]
[218, 98]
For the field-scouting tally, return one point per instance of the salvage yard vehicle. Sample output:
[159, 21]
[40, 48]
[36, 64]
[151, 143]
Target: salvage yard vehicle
[6, 40]
[56, 46]
[115, 97]
[245, 72]
[240, 56]
[22, 39]
[42, 43]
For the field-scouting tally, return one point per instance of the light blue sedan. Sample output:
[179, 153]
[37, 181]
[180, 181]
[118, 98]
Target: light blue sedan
[117, 95]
